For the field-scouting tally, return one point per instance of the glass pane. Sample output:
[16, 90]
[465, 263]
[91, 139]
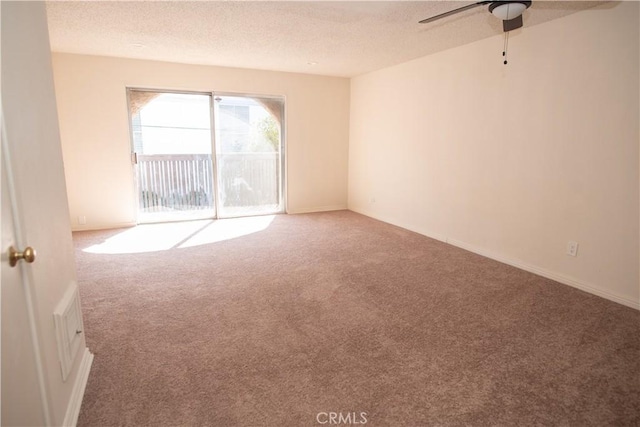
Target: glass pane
[248, 155]
[172, 140]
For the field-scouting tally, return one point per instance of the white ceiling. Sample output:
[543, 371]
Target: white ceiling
[341, 38]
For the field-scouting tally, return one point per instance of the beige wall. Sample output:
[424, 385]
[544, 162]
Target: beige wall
[94, 128]
[513, 161]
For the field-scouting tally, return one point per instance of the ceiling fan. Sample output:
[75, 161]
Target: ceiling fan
[509, 11]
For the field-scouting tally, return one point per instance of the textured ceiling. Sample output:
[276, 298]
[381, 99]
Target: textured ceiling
[318, 37]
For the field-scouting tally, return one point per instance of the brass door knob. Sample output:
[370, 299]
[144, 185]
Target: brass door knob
[29, 255]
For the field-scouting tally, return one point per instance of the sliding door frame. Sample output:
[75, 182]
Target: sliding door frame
[136, 183]
[282, 158]
[214, 159]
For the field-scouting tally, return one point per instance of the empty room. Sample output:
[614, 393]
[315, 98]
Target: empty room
[299, 213]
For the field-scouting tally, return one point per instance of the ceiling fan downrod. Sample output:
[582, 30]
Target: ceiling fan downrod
[506, 46]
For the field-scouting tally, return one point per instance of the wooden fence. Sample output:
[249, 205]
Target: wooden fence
[185, 181]
[248, 179]
[175, 182]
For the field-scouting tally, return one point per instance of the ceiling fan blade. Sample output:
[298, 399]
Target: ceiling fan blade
[512, 24]
[454, 11]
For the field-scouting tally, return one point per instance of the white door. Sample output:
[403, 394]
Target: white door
[21, 394]
[35, 390]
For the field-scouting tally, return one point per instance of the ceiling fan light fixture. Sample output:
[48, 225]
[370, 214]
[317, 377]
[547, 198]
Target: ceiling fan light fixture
[508, 10]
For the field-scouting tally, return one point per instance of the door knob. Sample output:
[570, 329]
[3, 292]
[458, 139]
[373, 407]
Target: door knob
[29, 255]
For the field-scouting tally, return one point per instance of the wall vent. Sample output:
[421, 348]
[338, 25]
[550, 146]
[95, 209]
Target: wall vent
[68, 320]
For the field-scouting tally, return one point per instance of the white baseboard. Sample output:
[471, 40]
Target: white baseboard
[317, 209]
[393, 221]
[561, 278]
[73, 409]
[94, 227]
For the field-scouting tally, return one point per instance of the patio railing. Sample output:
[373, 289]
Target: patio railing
[185, 181]
[175, 182]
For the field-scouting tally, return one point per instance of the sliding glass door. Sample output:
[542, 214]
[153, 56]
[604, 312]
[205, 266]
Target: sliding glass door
[177, 175]
[171, 135]
[249, 153]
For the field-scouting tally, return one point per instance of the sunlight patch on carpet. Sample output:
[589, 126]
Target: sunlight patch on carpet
[227, 229]
[165, 236]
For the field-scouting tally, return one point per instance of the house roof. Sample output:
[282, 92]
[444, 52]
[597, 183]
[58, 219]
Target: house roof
[317, 37]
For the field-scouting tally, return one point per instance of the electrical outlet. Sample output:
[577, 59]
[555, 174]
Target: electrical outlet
[572, 248]
[82, 220]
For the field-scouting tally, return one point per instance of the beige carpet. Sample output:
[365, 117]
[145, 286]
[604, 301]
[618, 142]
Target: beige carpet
[305, 315]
